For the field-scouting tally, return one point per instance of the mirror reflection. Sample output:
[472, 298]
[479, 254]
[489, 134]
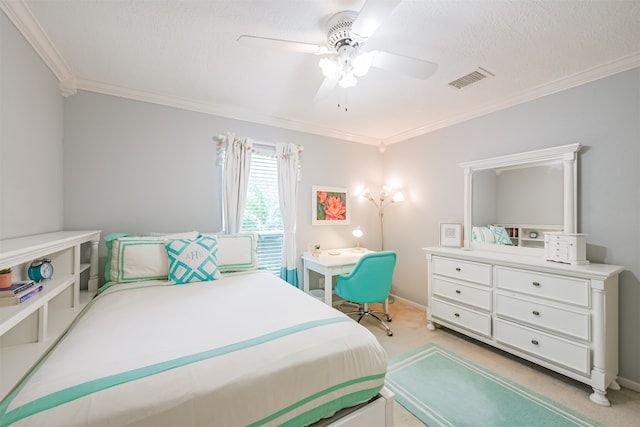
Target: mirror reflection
[525, 195]
[512, 200]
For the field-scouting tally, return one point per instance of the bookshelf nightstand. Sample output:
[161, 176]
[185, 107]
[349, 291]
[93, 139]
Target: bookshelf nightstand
[28, 329]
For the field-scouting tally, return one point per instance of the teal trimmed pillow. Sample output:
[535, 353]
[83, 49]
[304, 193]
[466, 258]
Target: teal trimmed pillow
[193, 260]
[131, 258]
[237, 252]
[502, 236]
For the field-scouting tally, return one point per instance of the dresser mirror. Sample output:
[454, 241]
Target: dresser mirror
[510, 201]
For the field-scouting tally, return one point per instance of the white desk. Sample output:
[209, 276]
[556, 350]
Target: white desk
[330, 265]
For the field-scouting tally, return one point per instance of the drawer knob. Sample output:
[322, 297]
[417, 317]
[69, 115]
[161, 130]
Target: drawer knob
[456, 314]
[458, 269]
[534, 342]
[458, 291]
[536, 313]
[536, 283]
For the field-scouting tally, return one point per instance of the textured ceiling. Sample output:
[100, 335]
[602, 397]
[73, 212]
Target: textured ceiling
[185, 53]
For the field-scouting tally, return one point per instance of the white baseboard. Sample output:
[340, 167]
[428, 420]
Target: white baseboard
[631, 385]
[409, 302]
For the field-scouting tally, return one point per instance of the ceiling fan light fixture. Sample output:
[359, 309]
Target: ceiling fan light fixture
[330, 68]
[348, 80]
[361, 63]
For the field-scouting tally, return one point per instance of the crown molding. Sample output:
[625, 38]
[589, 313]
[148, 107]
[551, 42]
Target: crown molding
[604, 70]
[616, 66]
[230, 112]
[21, 16]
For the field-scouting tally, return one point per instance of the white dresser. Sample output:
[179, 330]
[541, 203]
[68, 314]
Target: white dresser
[560, 316]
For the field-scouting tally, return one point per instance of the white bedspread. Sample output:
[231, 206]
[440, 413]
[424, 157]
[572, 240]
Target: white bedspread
[245, 350]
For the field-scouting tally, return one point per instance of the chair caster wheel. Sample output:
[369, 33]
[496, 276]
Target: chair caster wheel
[389, 334]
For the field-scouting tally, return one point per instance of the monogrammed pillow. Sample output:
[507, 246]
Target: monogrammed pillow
[193, 260]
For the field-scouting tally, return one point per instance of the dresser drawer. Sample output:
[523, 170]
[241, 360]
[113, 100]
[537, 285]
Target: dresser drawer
[559, 288]
[477, 296]
[571, 355]
[472, 320]
[564, 321]
[463, 270]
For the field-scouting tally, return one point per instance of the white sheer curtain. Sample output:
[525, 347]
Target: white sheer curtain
[288, 166]
[237, 164]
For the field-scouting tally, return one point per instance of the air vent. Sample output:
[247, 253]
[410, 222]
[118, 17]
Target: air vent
[473, 77]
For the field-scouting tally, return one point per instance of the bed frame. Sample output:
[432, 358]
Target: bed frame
[378, 412]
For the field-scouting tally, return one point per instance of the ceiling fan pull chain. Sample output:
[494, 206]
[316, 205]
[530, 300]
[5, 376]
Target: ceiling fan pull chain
[346, 101]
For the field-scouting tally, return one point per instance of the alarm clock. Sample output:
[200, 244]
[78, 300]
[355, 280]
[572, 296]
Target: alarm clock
[40, 270]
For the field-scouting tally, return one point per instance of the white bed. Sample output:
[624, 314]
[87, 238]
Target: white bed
[248, 349]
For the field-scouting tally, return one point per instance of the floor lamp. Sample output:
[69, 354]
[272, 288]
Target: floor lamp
[387, 197]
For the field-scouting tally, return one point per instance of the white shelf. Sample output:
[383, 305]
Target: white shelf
[11, 315]
[522, 234]
[28, 329]
[18, 359]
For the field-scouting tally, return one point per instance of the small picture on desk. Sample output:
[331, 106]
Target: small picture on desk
[450, 234]
[330, 206]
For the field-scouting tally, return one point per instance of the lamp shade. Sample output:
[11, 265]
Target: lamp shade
[361, 63]
[398, 197]
[330, 68]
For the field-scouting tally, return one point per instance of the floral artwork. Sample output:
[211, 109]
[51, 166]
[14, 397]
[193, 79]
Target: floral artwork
[330, 206]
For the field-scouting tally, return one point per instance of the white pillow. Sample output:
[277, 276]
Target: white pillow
[135, 258]
[237, 252]
[482, 234]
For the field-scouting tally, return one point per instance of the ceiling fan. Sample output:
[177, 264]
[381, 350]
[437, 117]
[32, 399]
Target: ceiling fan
[343, 58]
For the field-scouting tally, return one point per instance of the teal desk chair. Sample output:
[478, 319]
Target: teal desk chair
[369, 282]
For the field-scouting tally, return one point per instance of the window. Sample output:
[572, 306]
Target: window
[262, 211]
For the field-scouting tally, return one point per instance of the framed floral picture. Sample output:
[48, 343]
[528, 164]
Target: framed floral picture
[330, 206]
[450, 234]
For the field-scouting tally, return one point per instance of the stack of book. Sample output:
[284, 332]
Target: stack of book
[19, 292]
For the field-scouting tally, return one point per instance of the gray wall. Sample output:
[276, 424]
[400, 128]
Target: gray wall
[135, 167]
[31, 163]
[604, 116]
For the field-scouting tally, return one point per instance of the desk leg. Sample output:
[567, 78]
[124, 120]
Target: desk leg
[328, 289]
[305, 283]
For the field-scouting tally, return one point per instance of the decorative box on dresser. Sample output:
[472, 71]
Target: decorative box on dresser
[560, 316]
[28, 329]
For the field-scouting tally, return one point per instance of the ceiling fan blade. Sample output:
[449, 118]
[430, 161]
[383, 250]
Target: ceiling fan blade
[327, 86]
[266, 42]
[372, 14]
[412, 67]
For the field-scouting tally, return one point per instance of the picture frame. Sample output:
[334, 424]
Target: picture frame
[451, 234]
[330, 205]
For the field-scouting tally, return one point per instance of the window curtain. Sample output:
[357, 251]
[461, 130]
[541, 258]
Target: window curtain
[237, 164]
[288, 168]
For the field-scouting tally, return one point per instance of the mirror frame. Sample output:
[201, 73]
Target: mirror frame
[567, 154]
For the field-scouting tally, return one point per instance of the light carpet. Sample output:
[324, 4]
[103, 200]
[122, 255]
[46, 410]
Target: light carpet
[442, 388]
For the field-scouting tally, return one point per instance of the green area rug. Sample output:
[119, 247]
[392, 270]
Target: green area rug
[442, 388]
